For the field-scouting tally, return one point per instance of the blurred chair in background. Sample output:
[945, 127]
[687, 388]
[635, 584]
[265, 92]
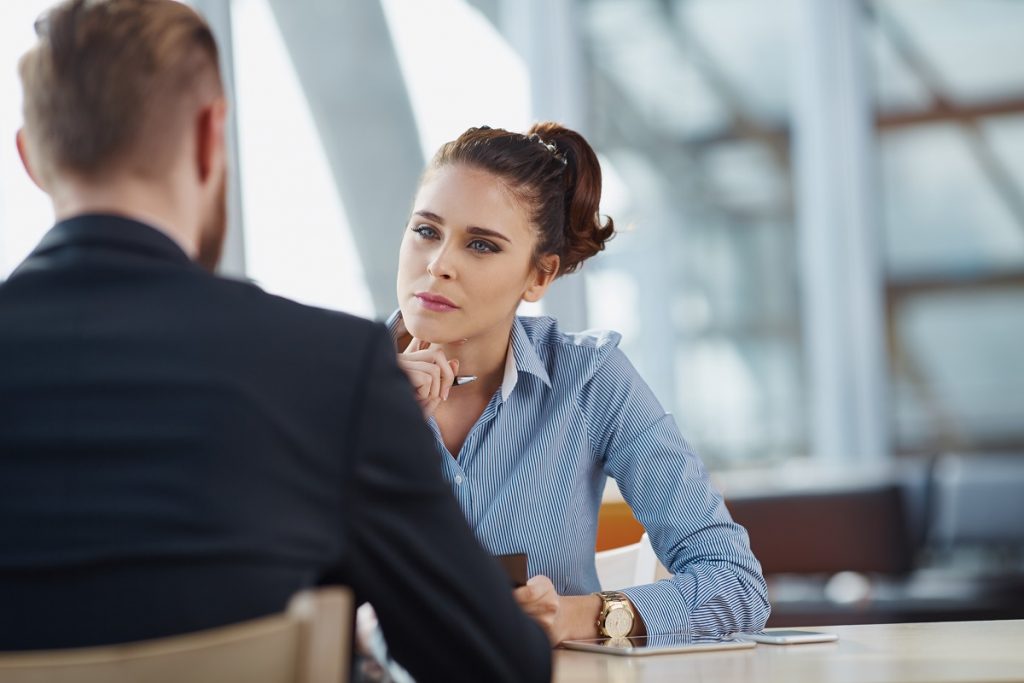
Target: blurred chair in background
[979, 504]
[630, 565]
[860, 529]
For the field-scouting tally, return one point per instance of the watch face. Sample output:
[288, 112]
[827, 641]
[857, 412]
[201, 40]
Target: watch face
[618, 622]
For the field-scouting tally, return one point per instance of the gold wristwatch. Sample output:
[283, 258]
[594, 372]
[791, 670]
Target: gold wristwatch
[616, 619]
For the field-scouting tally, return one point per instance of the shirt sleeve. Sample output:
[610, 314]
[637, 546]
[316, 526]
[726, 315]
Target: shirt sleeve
[414, 558]
[716, 584]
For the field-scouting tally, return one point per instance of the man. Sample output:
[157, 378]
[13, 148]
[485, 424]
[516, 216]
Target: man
[180, 451]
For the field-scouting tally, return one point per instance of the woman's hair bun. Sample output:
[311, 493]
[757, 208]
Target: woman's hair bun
[585, 231]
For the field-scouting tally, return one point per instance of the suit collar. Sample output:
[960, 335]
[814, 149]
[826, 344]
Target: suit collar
[107, 230]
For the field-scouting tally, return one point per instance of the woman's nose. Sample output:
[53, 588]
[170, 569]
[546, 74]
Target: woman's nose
[440, 266]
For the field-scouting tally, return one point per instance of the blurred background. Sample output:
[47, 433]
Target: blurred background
[820, 260]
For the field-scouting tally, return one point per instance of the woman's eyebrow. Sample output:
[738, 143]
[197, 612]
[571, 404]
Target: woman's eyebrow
[485, 232]
[429, 215]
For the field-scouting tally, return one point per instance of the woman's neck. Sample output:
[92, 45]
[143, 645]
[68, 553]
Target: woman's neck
[483, 357]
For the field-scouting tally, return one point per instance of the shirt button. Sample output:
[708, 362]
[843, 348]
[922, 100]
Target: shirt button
[458, 479]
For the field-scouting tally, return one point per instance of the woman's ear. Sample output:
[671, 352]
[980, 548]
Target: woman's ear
[544, 273]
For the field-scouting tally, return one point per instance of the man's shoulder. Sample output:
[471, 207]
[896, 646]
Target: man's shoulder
[246, 299]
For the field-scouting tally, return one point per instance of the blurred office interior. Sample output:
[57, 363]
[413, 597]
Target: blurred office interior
[820, 260]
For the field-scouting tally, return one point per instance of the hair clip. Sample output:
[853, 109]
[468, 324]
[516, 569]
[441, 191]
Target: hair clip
[551, 148]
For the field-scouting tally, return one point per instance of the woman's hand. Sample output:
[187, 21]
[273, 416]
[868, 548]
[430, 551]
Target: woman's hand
[539, 599]
[430, 372]
[563, 617]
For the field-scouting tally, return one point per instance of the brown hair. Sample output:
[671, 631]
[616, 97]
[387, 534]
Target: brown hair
[112, 83]
[552, 171]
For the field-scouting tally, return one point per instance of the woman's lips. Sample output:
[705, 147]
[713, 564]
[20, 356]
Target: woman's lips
[435, 302]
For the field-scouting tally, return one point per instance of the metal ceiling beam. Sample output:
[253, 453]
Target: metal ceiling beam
[902, 288]
[997, 172]
[948, 112]
[884, 121]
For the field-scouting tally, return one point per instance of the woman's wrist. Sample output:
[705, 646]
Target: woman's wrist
[579, 616]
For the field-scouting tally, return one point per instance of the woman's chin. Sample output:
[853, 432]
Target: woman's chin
[429, 331]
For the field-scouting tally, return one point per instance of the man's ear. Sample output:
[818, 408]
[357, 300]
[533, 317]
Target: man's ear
[543, 275]
[210, 141]
[22, 144]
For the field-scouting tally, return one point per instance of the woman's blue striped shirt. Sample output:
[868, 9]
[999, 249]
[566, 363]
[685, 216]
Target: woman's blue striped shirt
[571, 411]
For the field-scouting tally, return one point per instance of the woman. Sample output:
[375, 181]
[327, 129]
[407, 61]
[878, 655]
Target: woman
[527, 445]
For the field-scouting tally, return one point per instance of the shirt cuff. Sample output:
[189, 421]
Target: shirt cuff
[661, 607]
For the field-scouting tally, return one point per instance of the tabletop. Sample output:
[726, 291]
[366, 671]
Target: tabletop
[976, 651]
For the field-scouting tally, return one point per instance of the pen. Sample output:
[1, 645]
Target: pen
[463, 379]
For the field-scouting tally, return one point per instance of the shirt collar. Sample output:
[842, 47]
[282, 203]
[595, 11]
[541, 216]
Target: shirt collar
[523, 358]
[526, 360]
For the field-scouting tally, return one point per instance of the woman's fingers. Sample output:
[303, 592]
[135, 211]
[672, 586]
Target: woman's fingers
[434, 354]
[416, 345]
[430, 372]
[539, 599]
[537, 588]
[421, 351]
[424, 376]
[430, 406]
[447, 374]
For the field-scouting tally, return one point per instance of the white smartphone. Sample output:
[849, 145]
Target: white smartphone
[789, 637]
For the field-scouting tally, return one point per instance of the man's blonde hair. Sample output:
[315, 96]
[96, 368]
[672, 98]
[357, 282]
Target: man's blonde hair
[110, 85]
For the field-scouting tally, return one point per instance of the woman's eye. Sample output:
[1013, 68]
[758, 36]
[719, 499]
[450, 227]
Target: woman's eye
[483, 247]
[425, 231]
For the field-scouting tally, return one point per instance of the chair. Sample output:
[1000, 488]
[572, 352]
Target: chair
[630, 565]
[616, 525]
[978, 502]
[861, 528]
[308, 643]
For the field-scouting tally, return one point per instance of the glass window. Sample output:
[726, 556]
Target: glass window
[297, 238]
[459, 70]
[689, 106]
[950, 89]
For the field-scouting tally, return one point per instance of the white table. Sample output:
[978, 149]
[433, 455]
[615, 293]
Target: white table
[978, 651]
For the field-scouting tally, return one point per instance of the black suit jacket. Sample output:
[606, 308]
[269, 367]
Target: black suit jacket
[180, 451]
